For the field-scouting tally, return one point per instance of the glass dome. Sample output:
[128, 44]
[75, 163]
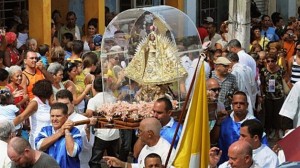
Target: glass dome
[142, 54]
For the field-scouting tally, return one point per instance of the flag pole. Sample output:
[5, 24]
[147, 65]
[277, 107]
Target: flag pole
[183, 111]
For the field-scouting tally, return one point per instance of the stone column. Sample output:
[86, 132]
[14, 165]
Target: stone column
[239, 17]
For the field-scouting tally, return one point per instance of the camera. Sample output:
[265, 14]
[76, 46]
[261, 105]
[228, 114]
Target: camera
[228, 99]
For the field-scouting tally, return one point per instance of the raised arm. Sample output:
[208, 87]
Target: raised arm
[30, 109]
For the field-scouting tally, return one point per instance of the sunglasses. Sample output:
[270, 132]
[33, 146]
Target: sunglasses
[273, 61]
[215, 89]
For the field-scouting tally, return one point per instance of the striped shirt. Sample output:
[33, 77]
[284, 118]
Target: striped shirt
[295, 75]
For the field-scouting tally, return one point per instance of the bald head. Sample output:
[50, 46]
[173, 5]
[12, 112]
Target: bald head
[18, 144]
[212, 83]
[241, 148]
[151, 124]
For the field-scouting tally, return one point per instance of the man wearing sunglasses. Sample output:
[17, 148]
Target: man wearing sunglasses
[216, 110]
[33, 72]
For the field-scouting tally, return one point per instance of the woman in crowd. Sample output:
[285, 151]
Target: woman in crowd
[92, 30]
[272, 88]
[15, 78]
[294, 67]
[90, 61]
[38, 109]
[257, 38]
[57, 71]
[12, 55]
[79, 93]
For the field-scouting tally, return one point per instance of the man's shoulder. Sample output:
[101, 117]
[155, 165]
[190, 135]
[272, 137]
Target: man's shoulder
[268, 151]
[45, 161]
[77, 117]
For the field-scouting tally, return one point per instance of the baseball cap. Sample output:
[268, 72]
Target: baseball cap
[97, 39]
[222, 60]
[209, 19]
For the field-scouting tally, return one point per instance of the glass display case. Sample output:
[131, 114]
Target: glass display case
[146, 53]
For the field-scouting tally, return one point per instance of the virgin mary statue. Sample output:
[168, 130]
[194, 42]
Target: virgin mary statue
[155, 62]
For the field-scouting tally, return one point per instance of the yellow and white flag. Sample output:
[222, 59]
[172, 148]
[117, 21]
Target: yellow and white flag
[193, 148]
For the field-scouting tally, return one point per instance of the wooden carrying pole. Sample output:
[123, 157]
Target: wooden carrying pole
[183, 111]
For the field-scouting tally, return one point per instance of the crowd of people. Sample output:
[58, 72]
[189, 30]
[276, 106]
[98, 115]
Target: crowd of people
[253, 97]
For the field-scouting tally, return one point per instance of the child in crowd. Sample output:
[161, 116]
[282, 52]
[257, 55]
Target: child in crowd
[44, 52]
[8, 110]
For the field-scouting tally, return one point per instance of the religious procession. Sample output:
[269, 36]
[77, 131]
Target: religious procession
[148, 87]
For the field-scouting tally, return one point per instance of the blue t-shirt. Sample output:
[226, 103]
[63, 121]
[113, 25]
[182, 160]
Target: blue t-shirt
[58, 150]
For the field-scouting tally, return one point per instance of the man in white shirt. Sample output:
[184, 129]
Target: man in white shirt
[105, 139]
[149, 132]
[244, 79]
[7, 129]
[252, 132]
[66, 97]
[244, 58]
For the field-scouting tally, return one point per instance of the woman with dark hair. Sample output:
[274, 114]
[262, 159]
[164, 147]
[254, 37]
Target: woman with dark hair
[38, 109]
[257, 38]
[90, 61]
[272, 77]
[92, 29]
[79, 93]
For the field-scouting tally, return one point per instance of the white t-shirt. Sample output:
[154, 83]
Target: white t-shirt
[290, 107]
[161, 148]
[85, 154]
[94, 103]
[38, 120]
[265, 157]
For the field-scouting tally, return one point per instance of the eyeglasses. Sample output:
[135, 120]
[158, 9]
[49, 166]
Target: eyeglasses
[239, 103]
[273, 61]
[215, 89]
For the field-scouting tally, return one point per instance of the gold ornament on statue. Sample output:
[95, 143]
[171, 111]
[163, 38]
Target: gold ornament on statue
[155, 62]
